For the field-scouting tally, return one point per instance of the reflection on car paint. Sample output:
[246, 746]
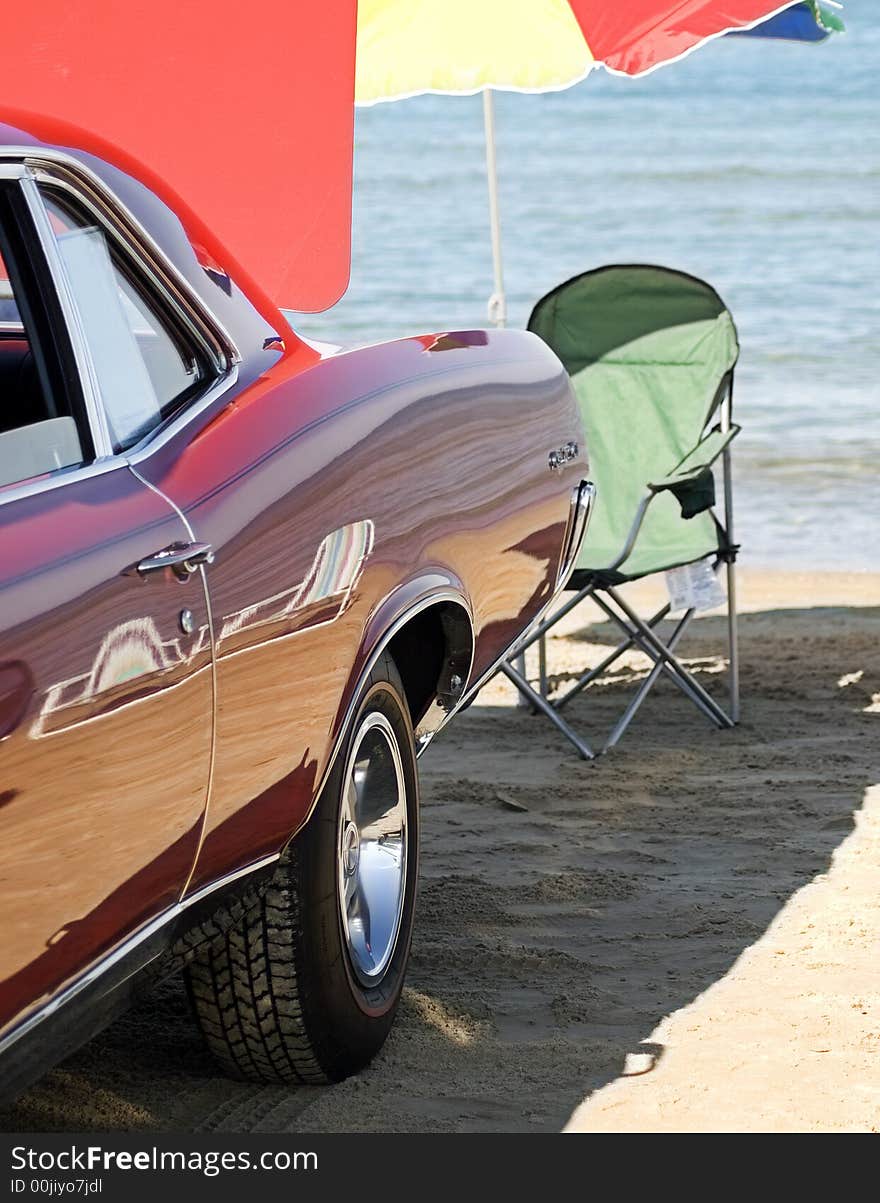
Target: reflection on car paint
[323, 594]
[453, 340]
[131, 650]
[135, 649]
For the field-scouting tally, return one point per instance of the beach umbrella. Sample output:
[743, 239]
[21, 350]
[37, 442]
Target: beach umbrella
[460, 47]
[242, 120]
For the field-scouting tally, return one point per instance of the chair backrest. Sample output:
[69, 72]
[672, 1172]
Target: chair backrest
[650, 352]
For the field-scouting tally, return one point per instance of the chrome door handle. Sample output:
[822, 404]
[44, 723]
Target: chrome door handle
[182, 558]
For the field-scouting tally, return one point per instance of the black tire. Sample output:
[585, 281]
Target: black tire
[279, 998]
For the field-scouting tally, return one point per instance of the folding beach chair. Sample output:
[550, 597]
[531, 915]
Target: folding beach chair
[651, 354]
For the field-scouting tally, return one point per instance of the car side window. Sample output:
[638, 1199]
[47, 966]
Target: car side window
[144, 368]
[39, 434]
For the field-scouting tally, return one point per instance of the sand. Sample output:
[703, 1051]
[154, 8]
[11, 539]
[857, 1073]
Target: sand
[683, 935]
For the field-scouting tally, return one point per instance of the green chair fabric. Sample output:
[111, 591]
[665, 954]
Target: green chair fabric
[650, 352]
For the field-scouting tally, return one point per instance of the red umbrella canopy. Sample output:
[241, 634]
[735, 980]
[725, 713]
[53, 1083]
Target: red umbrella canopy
[635, 36]
[245, 112]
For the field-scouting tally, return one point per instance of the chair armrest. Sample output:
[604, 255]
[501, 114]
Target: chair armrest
[691, 483]
[698, 460]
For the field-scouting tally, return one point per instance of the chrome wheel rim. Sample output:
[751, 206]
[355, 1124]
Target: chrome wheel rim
[371, 849]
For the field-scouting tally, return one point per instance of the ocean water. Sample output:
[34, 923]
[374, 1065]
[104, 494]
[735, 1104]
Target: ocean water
[753, 164]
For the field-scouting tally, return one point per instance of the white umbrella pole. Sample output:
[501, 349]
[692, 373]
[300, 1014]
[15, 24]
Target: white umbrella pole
[497, 301]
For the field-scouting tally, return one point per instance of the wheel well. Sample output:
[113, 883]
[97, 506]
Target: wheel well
[433, 654]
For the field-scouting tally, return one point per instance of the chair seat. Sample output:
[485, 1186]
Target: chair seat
[584, 576]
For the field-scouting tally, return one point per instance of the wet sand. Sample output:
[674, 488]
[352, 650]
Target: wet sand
[681, 935]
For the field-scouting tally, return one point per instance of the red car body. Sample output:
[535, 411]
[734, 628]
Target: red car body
[163, 738]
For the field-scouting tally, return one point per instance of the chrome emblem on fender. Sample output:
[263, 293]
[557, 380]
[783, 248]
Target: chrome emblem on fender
[562, 455]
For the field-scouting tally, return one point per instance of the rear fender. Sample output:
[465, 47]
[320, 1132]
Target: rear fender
[410, 599]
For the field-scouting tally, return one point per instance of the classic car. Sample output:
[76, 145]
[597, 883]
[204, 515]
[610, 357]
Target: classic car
[243, 582]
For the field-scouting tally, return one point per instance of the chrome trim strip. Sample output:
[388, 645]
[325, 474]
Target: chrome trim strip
[63, 476]
[125, 947]
[85, 368]
[110, 206]
[583, 498]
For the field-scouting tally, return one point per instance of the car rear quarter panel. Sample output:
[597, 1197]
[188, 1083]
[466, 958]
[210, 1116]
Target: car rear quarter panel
[337, 499]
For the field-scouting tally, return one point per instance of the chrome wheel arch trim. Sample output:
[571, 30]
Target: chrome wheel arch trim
[424, 603]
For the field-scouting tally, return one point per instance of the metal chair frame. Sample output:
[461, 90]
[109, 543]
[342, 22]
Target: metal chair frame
[640, 633]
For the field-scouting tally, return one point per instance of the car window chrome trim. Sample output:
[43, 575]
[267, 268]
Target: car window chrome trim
[223, 362]
[125, 459]
[125, 947]
[101, 212]
[97, 417]
[59, 168]
[177, 422]
[106, 458]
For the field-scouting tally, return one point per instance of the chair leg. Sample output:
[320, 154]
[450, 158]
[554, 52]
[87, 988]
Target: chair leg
[518, 656]
[682, 683]
[643, 690]
[731, 567]
[542, 666]
[532, 696]
[638, 633]
[588, 677]
[546, 623]
[685, 680]
[519, 660]
[733, 642]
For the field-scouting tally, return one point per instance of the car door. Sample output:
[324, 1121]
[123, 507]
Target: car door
[106, 696]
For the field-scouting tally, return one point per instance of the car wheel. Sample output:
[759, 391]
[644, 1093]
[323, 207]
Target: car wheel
[305, 988]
